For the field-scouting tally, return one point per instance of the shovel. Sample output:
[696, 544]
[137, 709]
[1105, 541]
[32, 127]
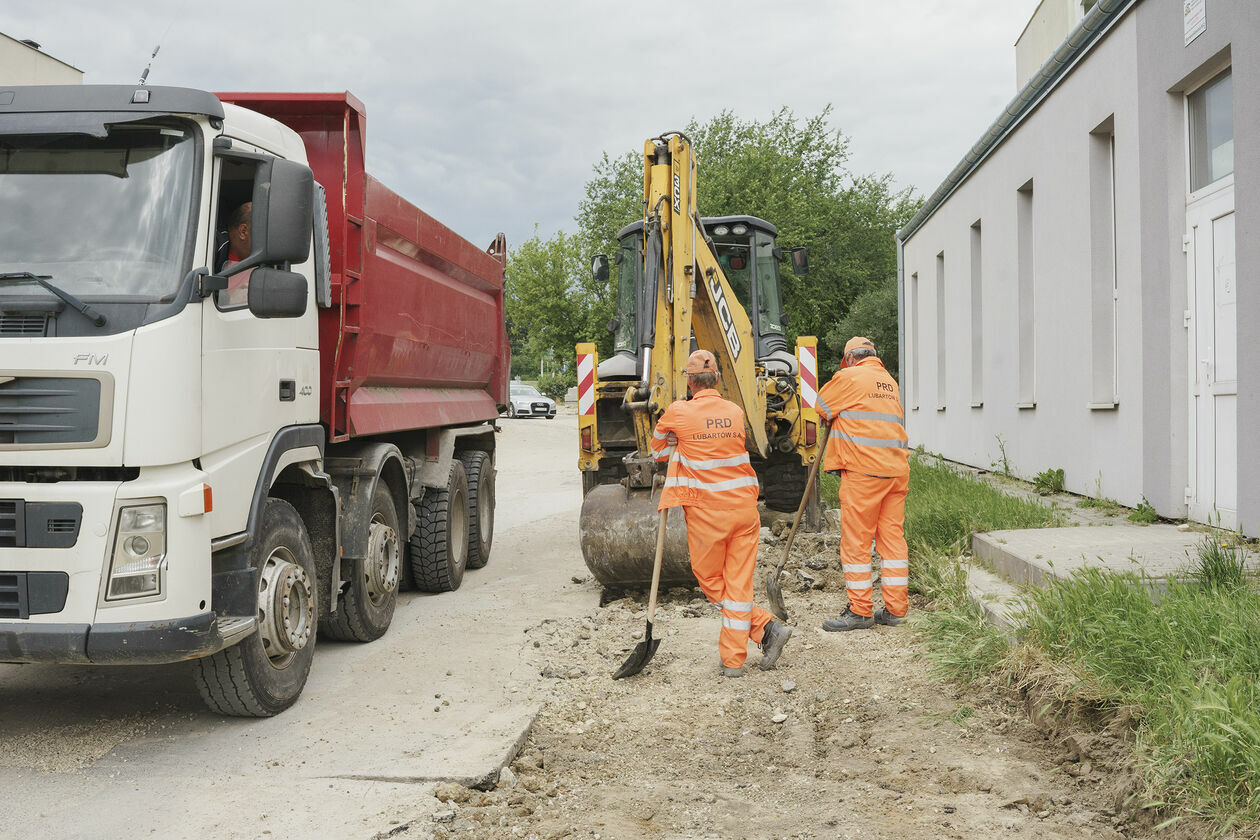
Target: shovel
[646, 649]
[773, 591]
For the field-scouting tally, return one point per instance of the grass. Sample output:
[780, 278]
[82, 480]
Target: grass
[1181, 658]
[1185, 661]
[1144, 513]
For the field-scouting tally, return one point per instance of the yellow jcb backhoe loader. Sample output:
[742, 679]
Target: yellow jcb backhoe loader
[685, 282]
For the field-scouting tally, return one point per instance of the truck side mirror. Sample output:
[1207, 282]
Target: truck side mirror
[599, 268]
[800, 261]
[284, 198]
[276, 293]
[614, 325]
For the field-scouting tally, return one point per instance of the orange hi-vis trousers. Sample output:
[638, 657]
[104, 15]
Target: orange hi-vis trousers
[874, 508]
[723, 548]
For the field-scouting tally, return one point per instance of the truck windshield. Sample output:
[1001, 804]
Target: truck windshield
[629, 268]
[107, 216]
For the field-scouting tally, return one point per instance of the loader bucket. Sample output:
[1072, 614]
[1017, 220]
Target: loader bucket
[617, 531]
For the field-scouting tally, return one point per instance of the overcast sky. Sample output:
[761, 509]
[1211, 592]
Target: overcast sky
[490, 114]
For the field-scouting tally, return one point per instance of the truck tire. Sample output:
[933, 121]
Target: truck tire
[439, 547]
[366, 606]
[264, 674]
[783, 481]
[479, 472]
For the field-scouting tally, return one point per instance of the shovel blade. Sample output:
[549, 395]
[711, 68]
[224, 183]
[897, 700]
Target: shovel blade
[774, 594]
[639, 657]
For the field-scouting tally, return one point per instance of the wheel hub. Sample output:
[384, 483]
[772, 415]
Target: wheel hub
[381, 565]
[286, 606]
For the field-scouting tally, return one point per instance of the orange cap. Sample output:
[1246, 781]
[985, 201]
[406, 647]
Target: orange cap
[701, 361]
[855, 343]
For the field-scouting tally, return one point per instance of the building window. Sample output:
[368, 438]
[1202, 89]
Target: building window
[1104, 288]
[977, 320]
[941, 367]
[916, 337]
[1211, 131]
[1027, 305]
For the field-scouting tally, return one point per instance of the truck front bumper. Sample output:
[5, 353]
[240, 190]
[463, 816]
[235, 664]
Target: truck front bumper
[124, 643]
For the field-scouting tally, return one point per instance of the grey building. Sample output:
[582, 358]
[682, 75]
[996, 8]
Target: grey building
[1071, 294]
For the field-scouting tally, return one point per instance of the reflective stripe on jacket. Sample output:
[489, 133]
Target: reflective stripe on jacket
[868, 432]
[710, 465]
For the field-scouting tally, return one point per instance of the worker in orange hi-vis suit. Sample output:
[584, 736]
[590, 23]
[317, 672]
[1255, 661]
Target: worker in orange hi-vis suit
[868, 448]
[711, 479]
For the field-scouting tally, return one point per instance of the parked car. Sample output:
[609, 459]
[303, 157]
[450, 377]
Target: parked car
[524, 400]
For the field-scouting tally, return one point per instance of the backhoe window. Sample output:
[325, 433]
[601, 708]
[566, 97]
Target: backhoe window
[106, 217]
[769, 304]
[732, 254]
[629, 269]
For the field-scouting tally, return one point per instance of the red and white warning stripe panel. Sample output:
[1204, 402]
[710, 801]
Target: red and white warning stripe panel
[809, 374]
[586, 383]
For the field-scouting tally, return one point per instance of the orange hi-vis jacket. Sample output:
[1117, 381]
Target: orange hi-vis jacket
[709, 466]
[868, 432]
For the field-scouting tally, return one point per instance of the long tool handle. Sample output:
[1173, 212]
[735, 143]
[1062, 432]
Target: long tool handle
[796, 520]
[656, 565]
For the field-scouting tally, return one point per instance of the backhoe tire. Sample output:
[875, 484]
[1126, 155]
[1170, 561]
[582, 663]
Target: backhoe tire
[783, 482]
[366, 606]
[479, 471]
[439, 547]
[264, 674]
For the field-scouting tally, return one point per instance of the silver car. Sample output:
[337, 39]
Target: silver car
[525, 400]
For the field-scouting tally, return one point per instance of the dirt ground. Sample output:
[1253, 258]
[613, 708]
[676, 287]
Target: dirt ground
[850, 737]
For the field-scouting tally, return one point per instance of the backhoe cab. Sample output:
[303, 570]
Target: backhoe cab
[684, 282]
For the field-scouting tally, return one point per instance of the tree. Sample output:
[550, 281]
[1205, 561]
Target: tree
[873, 315]
[551, 301]
[791, 173]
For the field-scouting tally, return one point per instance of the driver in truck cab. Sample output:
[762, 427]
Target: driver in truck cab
[711, 479]
[237, 248]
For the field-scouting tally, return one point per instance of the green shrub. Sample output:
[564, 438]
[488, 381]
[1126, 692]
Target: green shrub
[1050, 481]
[1144, 513]
[557, 385]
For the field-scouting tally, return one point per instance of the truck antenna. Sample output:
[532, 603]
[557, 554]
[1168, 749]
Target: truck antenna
[145, 74]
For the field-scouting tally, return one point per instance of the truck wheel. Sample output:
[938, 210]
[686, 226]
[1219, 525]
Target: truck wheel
[366, 607]
[784, 482]
[439, 547]
[480, 474]
[263, 674]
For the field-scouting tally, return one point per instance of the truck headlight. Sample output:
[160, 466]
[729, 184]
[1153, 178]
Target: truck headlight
[139, 551]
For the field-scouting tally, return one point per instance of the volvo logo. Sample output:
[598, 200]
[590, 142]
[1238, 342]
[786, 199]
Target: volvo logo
[724, 315]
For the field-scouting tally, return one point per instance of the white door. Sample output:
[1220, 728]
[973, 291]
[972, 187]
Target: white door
[1213, 345]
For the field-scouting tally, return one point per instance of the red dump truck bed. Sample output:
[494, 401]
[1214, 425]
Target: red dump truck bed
[415, 337]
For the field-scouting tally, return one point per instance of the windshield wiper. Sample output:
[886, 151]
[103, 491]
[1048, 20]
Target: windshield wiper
[42, 279]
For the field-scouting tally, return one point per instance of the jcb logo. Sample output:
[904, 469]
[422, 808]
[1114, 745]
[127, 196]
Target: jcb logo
[724, 315]
[717, 422]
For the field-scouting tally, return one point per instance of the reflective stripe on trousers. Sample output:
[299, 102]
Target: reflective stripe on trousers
[874, 509]
[723, 549]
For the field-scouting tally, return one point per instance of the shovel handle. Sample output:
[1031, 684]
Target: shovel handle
[656, 564]
[809, 488]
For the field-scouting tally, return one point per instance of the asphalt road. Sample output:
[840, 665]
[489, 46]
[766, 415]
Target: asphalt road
[131, 752]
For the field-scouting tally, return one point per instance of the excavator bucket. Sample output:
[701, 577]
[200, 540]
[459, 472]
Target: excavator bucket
[617, 531]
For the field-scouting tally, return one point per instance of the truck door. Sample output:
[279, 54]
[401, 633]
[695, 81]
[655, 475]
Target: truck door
[259, 374]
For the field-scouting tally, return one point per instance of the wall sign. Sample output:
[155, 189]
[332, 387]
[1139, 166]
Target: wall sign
[1195, 15]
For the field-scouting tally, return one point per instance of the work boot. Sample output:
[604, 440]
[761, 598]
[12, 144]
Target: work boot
[728, 671]
[883, 616]
[773, 638]
[848, 620]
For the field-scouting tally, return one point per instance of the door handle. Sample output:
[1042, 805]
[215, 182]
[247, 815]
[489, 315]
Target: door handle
[288, 390]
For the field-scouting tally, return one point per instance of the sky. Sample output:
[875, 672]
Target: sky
[491, 114]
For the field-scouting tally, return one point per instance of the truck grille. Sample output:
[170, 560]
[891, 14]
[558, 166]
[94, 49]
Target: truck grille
[24, 594]
[48, 410]
[9, 523]
[13, 595]
[19, 324]
[39, 524]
